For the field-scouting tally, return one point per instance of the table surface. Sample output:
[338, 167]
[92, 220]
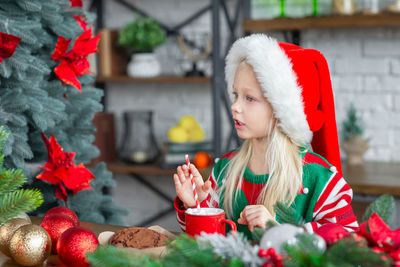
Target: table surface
[53, 259]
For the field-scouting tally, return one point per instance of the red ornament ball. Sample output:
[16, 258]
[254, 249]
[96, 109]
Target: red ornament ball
[74, 244]
[331, 232]
[55, 225]
[63, 210]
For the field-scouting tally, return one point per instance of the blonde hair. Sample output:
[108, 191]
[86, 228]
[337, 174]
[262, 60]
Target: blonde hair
[285, 171]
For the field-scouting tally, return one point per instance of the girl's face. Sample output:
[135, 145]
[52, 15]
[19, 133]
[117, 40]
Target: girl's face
[251, 111]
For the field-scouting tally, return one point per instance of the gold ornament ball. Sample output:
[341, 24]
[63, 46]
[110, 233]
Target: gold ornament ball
[30, 245]
[7, 231]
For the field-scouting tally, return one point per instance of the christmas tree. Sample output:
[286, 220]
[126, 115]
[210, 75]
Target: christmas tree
[46, 87]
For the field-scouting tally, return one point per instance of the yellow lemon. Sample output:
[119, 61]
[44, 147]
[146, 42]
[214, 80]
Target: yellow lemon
[196, 134]
[188, 122]
[177, 134]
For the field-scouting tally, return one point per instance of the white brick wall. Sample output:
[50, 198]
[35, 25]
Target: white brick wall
[364, 65]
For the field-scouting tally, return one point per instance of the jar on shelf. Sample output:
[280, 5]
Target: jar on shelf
[138, 144]
[370, 7]
[322, 7]
[391, 6]
[346, 7]
[299, 8]
[266, 9]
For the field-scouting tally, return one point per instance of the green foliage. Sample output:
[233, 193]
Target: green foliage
[257, 234]
[384, 206]
[144, 34]
[110, 256]
[346, 252]
[305, 253]
[184, 251]
[287, 214]
[352, 125]
[14, 201]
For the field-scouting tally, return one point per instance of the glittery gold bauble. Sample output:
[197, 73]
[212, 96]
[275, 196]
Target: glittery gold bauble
[7, 231]
[30, 245]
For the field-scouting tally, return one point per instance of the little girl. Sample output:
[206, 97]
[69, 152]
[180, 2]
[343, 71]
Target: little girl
[281, 95]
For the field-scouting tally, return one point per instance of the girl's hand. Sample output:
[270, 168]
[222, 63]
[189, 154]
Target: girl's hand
[255, 216]
[183, 185]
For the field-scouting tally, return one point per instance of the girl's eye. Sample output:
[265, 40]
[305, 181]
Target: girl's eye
[235, 95]
[250, 99]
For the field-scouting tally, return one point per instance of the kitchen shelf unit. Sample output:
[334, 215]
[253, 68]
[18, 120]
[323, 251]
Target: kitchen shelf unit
[353, 21]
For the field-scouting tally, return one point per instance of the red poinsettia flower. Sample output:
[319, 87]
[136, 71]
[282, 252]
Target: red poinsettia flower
[81, 21]
[61, 170]
[74, 63]
[8, 44]
[76, 3]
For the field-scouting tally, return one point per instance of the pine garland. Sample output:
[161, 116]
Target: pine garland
[287, 214]
[346, 252]
[234, 245]
[384, 206]
[110, 256]
[184, 251]
[14, 201]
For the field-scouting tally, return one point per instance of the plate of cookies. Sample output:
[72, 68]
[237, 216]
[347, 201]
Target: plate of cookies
[147, 241]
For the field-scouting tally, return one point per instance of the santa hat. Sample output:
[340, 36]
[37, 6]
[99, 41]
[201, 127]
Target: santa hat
[297, 83]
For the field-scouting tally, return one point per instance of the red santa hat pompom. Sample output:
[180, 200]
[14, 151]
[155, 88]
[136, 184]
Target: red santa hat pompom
[296, 81]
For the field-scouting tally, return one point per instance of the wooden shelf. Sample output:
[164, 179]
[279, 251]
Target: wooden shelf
[148, 169]
[374, 178]
[379, 20]
[161, 79]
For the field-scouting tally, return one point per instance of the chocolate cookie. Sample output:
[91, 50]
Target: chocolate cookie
[138, 237]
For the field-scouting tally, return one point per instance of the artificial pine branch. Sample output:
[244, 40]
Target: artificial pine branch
[348, 252]
[14, 203]
[384, 206]
[287, 214]
[11, 180]
[233, 246]
[186, 251]
[110, 256]
[183, 251]
[257, 234]
[305, 253]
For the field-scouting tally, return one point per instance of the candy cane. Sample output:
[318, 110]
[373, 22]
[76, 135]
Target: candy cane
[196, 197]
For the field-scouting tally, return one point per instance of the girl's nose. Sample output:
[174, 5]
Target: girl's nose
[235, 107]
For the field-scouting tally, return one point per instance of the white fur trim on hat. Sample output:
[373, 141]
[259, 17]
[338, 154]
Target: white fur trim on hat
[274, 72]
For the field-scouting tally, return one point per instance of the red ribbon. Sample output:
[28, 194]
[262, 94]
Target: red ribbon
[381, 237]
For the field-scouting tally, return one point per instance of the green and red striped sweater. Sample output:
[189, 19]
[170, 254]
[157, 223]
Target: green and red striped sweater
[325, 196]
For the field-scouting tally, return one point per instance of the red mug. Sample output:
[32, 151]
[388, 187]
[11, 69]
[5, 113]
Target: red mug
[211, 223]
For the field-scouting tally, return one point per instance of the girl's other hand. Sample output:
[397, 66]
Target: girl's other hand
[255, 216]
[183, 185]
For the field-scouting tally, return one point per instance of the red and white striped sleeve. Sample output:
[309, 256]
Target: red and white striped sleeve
[333, 205]
[212, 201]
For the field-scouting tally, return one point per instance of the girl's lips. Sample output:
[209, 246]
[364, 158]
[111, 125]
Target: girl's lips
[238, 124]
